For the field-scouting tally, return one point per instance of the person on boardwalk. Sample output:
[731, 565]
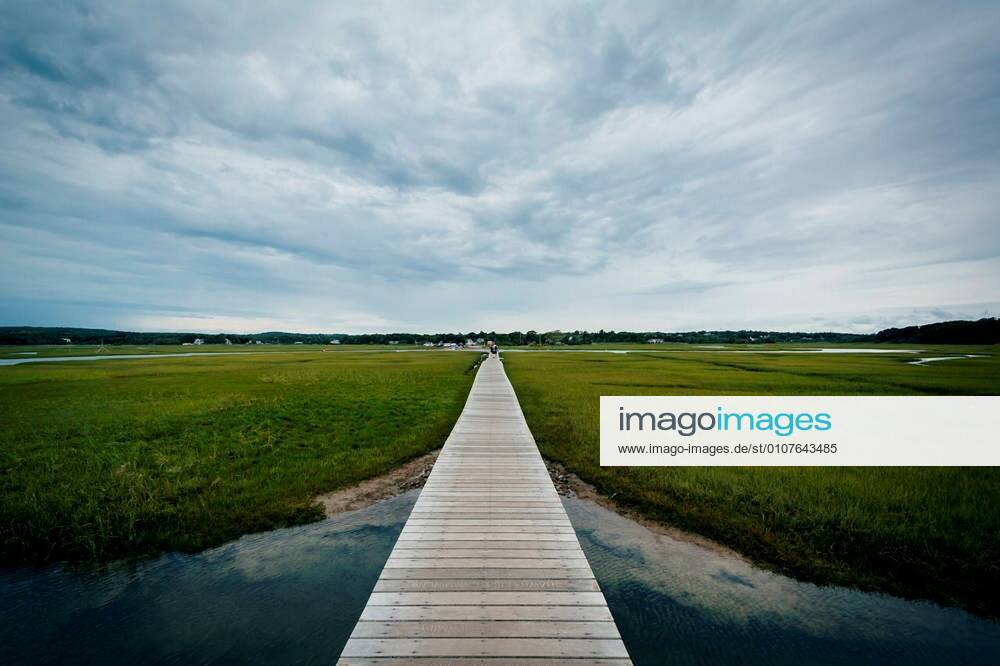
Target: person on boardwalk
[494, 350]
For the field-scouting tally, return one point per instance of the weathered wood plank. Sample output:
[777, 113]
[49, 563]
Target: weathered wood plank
[475, 533]
[503, 520]
[497, 613]
[425, 526]
[479, 661]
[412, 573]
[475, 562]
[484, 629]
[486, 599]
[409, 545]
[571, 551]
[530, 504]
[487, 585]
[506, 530]
[424, 511]
[488, 526]
[487, 569]
[477, 647]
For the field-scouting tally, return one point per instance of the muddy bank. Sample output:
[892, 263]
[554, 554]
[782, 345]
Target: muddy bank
[569, 484]
[413, 475]
[409, 476]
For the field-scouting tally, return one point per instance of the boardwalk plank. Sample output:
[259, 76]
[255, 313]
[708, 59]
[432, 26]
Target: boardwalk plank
[487, 585]
[480, 661]
[412, 573]
[477, 533]
[486, 599]
[573, 551]
[474, 562]
[484, 629]
[479, 647]
[495, 613]
[491, 542]
[487, 569]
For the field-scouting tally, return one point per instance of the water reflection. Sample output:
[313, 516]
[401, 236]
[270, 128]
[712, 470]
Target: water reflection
[293, 596]
[679, 602]
[289, 596]
[117, 357]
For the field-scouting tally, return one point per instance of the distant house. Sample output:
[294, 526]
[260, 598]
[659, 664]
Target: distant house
[334, 342]
[66, 340]
[198, 341]
[228, 341]
[656, 341]
[429, 344]
[393, 342]
[257, 342]
[299, 343]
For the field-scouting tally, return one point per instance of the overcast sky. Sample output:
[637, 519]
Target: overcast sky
[436, 166]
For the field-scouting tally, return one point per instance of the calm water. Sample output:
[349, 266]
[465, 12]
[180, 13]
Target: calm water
[113, 357]
[935, 359]
[293, 596]
[676, 602]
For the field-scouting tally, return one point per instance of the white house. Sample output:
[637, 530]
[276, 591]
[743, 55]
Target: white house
[334, 342]
[199, 341]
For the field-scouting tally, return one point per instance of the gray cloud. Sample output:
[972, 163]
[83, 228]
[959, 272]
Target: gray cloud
[434, 166]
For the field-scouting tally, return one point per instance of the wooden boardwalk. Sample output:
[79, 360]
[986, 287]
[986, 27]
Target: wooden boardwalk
[487, 569]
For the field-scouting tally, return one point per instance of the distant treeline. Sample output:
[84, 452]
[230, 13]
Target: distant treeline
[984, 331]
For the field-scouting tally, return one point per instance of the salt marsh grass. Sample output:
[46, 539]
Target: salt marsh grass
[109, 458]
[931, 532]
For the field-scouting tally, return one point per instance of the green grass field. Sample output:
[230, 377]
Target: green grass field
[110, 458]
[101, 459]
[932, 532]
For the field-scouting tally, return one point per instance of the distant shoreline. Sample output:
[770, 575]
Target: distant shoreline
[982, 331]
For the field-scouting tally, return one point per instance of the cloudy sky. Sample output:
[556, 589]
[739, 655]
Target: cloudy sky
[437, 166]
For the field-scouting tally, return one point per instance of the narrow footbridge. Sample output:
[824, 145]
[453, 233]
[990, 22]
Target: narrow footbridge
[488, 569]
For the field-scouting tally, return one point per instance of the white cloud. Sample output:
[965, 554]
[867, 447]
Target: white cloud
[486, 166]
